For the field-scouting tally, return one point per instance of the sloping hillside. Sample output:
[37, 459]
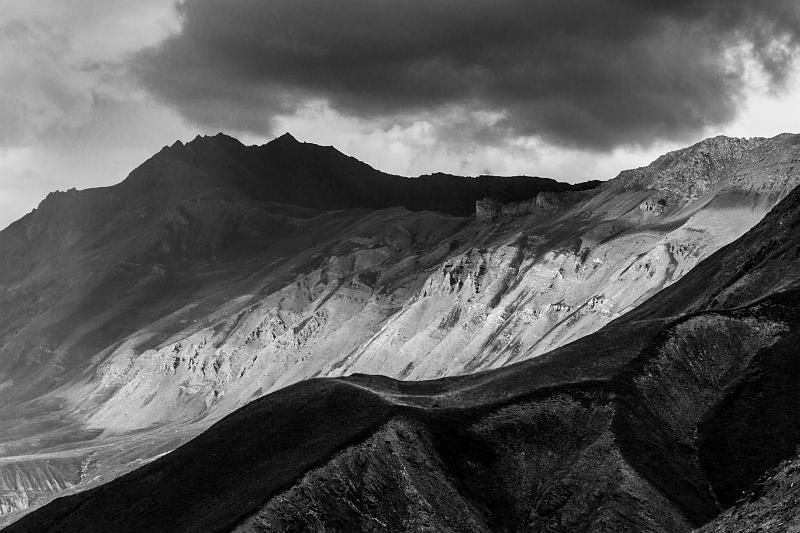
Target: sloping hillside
[135, 316]
[655, 423]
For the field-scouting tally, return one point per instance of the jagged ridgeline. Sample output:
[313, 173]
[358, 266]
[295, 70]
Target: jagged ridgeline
[132, 317]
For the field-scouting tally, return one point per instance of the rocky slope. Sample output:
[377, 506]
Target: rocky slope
[657, 422]
[150, 309]
[772, 505]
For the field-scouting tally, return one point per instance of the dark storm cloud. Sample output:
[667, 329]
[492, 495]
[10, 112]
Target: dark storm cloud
[585, 73]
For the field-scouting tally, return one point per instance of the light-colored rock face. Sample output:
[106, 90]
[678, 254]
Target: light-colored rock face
[380, 309]
[24, 483]
[412, 296]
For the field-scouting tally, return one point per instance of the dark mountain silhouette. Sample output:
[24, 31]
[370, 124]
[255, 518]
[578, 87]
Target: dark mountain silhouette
[288, 171]
[221, 169]
[658, 422]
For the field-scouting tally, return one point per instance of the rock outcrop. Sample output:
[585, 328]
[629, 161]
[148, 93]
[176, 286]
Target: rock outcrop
[546, 204]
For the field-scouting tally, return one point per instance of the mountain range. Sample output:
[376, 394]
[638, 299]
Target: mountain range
[602, 356]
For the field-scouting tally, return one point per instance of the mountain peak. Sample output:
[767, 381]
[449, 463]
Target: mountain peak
[691, 172]
[214, 139]
[286, 138]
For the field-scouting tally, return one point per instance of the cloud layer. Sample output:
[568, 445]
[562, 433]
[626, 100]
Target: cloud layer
[70, 115]
[582, 73]
[39, 90]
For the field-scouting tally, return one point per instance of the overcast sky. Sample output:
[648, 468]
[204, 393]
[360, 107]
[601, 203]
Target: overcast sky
[570, 89]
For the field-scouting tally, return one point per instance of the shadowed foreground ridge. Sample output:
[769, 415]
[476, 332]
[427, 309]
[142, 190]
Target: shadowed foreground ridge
[660, 421]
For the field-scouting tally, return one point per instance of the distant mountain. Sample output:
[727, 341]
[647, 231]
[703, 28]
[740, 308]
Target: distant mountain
[657, 422]
[132, 317]
[304, 174]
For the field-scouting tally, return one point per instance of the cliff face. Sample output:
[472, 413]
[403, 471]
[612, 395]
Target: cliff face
[658, 422]
[545, 203]
[183, 294]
